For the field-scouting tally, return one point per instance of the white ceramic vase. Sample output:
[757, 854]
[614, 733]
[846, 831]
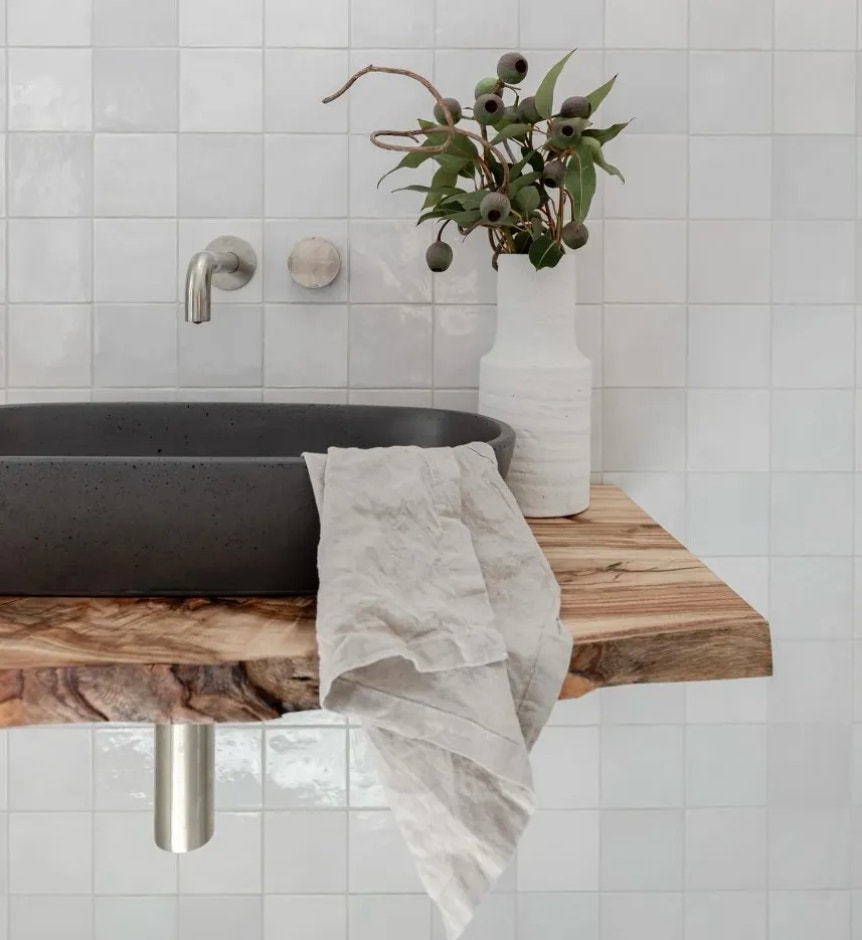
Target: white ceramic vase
[536, 379]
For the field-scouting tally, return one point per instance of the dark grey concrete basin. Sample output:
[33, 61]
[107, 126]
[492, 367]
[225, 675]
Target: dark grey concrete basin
[155, 499]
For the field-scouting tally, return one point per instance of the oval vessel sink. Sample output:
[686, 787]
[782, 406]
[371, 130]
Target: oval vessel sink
[179, 499]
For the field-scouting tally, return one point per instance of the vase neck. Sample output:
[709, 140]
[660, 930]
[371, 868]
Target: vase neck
[536, 306]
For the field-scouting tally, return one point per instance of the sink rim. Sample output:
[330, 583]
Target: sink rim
[504, 437]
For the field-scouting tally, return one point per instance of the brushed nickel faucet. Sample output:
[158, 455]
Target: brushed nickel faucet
[227, 263]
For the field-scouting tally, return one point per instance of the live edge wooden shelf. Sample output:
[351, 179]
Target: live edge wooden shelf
[639, 606]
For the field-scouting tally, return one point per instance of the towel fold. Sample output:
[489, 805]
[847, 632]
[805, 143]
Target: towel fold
[438, 626]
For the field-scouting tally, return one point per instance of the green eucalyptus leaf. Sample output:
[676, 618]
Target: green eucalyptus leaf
[512, 130]
[472, 200]
[599, 158]
[516, 168]
[545, 92]
[526, 180]
[447, 162]
[596, 97]
[603, 135]
[416, 188]
[523, 241]
[469, 217]
[409, 161]
[545, 252]
[581, 179]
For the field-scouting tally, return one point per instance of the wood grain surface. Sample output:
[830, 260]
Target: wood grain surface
[640, 607]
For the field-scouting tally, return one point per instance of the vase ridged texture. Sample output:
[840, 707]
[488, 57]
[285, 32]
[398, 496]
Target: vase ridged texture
[536, 379]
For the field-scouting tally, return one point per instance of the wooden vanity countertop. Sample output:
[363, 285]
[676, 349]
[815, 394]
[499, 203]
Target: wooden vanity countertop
[640, 608]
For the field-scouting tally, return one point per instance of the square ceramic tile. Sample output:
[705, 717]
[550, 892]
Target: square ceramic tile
[814, 178]
[135, 260]
[48, 22]
[135, 175]
[135, 89]
[123, 765]
[715, 248]
[829, 25]
[127, 860]
[50, 853]
[321, 867]
[731, 177]
[725, 765]
[647, 914]
[665, 27]
[50, 260]
[222, 918]
[653, 85]
[40, 918]
[306, 345]
[728, 700]
[32, 750]
[809, 848]
[566, 768]
[732, 24]
[815, 93]
[812, 514]
[321, 917]
[559, 916]
[729, 346]
[812, 347]
[716, 915]
[728, 513]
[559, 851]
[305, 768]
[239, 759]
[719, 77]
[495, 920]
[390, 346]
[230, 863]
[366, 790]
[390, 24]
[584, 20]
[660, 704]
[287, 193]
[375, 916]
[50, 90]
[221, 22]
[373, 197]
[462, 335]
[135, 345]
[377, 98]
[796, 915]
[387, 263]
[644, 345]
[642, 850]
[829, 263]
[458, 24]
[812, 430]
[812, 683]
[725, 849]
[221, 90]
[811, 598]
[656, 171]
[380, 862]
[645, 262]
[642, 767]
[206, 161]
[229, 352]
[319, 25]
[728, 430]
[136, 918]
[809, 765]
[323, 72]
[50, 175]
[49, 346]
[644, 429]
[132, 23]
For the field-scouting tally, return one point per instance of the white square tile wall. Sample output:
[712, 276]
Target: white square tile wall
[721, 302]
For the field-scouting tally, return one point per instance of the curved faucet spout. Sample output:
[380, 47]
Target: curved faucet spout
[199, 279]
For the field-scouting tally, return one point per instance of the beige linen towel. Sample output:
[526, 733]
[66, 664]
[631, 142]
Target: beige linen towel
[438, 626]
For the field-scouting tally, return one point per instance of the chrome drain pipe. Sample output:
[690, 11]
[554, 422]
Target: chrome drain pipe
[185, 776]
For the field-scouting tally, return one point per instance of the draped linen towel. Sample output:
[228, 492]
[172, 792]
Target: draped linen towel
[438, 627]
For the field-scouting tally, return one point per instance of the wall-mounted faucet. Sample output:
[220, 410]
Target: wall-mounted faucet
[228, 263]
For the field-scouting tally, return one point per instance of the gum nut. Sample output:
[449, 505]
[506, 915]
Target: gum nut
[454, 107]
[512, 68]
[528, 199]
[554, 173]
[489, 109]
[575, 235]
[495, 208]
[563, 133]
[527, 111]
[487, 86]
[438, 256]
[576, 107]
